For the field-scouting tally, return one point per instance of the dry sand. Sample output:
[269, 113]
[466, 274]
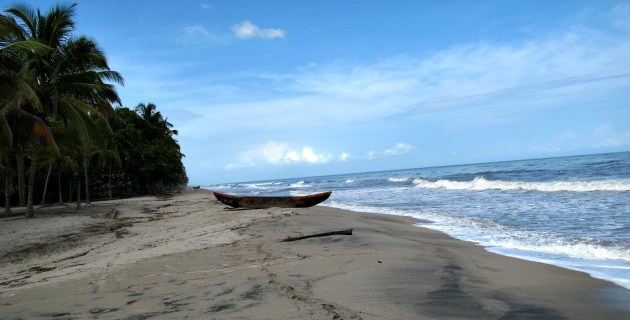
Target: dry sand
[186, 256]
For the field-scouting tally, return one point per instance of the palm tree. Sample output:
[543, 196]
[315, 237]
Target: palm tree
[20, 108]
[32, 30]
[95, 146]
[53, 159]
[154, 119]
[110, 151]
[156, 128]
[5, 154]
[81, 96]
[70, 77]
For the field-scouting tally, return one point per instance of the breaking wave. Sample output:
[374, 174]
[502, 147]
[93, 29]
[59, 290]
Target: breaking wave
[480, 183]
[300, 184]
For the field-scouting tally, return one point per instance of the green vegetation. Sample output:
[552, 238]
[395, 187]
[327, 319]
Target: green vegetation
[58, 121]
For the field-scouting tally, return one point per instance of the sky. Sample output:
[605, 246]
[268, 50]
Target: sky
[263, 90]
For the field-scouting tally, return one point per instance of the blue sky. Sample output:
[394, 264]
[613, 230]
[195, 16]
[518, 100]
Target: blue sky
[278, 89]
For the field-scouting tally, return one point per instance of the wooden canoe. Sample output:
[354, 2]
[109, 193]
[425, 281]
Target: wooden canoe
[254, 202]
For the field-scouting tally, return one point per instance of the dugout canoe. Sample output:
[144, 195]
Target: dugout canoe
[255, 202]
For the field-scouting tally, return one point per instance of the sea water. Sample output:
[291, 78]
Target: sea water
[572, 212]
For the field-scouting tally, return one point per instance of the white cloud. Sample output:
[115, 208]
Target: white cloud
[274, 153]
[205, 6]
[481, 83]
[344, 156]
[248, 30]
[399, 148]
[500, 81]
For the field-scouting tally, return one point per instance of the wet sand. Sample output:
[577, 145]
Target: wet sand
[187, 256]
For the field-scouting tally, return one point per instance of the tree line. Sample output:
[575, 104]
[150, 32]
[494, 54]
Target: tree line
[64, 135]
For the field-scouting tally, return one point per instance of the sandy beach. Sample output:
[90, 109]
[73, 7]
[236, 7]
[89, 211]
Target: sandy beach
[187, 256]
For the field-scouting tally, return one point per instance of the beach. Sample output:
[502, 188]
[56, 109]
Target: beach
[187, 256]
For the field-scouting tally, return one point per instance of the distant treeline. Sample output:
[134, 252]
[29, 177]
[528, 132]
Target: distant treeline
[61, 137]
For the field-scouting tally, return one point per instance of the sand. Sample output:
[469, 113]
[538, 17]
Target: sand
[186, 256]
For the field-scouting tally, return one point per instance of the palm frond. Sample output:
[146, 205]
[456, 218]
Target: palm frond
[56, 26]
[27, 16]
[43, 131]
[10, 31]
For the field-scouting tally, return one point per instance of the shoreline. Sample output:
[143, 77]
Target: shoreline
[531, 256]
[188, 256]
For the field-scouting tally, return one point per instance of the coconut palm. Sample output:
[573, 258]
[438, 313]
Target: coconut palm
[20, 108]
[81, 97]
[109, 151]
[154, 118]
[70, 78]
[31, 64]
[157, 129]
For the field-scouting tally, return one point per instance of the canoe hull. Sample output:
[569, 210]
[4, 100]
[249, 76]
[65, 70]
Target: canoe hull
[252, 202]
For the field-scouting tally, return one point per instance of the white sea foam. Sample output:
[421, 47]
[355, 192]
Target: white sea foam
[606, 262]
[480, 183]
[611, 270]
[571, 250]
[300, 184]
[398, 179]
[538, 246]
[219, 186]
[491, 234]
[257, 185]
[350, 181]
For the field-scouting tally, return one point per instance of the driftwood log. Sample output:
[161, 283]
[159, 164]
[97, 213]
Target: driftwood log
[331, 233]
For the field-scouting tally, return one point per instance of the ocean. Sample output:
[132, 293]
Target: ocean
[572, 212]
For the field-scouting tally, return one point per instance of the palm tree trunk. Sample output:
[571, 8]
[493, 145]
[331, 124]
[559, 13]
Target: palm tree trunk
[109, 179]
[59, 183]
[19, 159]
[70, 181]
[30, 213]
[7, 193]
[79, 192]
[86, 165]
[46, 185]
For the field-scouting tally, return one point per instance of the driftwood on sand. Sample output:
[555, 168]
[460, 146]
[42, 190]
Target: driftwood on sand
[331, 233]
